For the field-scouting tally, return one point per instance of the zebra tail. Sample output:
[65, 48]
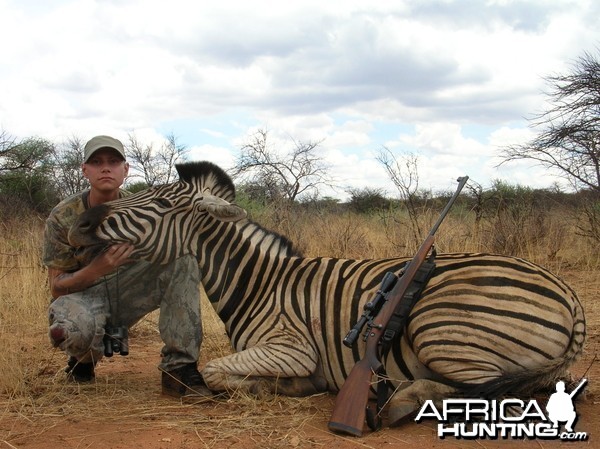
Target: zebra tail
[517, 384]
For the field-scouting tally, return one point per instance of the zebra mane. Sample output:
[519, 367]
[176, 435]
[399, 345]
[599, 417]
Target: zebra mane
[284, 245]
[219, 180]
[220, 183]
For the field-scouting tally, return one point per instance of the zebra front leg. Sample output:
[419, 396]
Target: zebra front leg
[269, 368]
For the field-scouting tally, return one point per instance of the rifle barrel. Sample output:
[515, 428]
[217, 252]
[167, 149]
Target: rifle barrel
[461, 183]
[578, 387]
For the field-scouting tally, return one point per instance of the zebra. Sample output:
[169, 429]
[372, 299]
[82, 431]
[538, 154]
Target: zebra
[487, 323]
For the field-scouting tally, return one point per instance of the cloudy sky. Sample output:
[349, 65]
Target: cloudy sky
[448, 81]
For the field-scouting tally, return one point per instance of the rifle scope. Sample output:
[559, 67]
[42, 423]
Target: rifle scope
[371, 309]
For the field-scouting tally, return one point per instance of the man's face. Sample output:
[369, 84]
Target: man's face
[106, 170]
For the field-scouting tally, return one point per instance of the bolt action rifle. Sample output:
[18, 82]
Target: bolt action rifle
[391, 301]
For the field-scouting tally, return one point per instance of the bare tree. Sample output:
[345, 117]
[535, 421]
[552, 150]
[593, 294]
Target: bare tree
[68, 175]
[478, 194]
[404, 174]
[7, 144]
[286, 176]
[156, 166]
[569, 140]
[281, 177]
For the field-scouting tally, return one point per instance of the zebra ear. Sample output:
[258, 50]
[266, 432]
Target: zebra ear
[226, 212]
[221, 209]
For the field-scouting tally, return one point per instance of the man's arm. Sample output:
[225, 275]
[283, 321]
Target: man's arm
[62, 282]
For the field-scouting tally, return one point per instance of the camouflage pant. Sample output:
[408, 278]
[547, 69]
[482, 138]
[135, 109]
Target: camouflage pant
[123, 299]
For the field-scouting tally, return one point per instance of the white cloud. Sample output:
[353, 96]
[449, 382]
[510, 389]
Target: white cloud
[441, 139]
[355, 74]
[217, 155]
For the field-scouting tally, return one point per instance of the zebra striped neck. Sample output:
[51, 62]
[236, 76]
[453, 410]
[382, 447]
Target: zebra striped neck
[228, 254]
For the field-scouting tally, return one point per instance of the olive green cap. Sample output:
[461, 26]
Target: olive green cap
[101, 142]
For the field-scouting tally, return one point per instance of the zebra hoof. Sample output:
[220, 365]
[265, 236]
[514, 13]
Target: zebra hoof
[401, 411]
[261, 389]
[407, 401]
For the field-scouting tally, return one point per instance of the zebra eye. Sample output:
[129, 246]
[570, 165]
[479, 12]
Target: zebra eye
[163, 202]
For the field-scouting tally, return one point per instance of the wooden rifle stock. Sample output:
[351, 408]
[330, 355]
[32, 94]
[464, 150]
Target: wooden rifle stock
[350, 404]
[349, 411]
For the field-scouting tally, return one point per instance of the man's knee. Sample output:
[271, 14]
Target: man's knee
[76, 325]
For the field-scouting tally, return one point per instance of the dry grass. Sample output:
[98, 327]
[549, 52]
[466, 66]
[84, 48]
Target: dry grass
[34, 397]
[23, 302]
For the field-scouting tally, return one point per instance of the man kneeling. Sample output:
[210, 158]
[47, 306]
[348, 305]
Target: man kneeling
[115, 292]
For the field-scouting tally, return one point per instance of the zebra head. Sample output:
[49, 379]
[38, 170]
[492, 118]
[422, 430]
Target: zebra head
[173, 213]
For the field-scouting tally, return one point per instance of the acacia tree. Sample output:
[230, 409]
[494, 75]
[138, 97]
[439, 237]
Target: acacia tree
[281, 177]
[155, 165]
[367, 199]
[404, 174]
[26, 154]
[7, 144]
[68, 175]
[26, 172]
[569, 138]
[284, 176]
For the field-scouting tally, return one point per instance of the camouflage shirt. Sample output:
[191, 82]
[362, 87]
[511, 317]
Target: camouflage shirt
[58, 253]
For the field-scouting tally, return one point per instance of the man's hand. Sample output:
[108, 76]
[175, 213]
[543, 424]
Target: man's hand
[109, 260]
[62, 283]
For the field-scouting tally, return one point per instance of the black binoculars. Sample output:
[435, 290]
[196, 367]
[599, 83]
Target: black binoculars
[116, 339]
